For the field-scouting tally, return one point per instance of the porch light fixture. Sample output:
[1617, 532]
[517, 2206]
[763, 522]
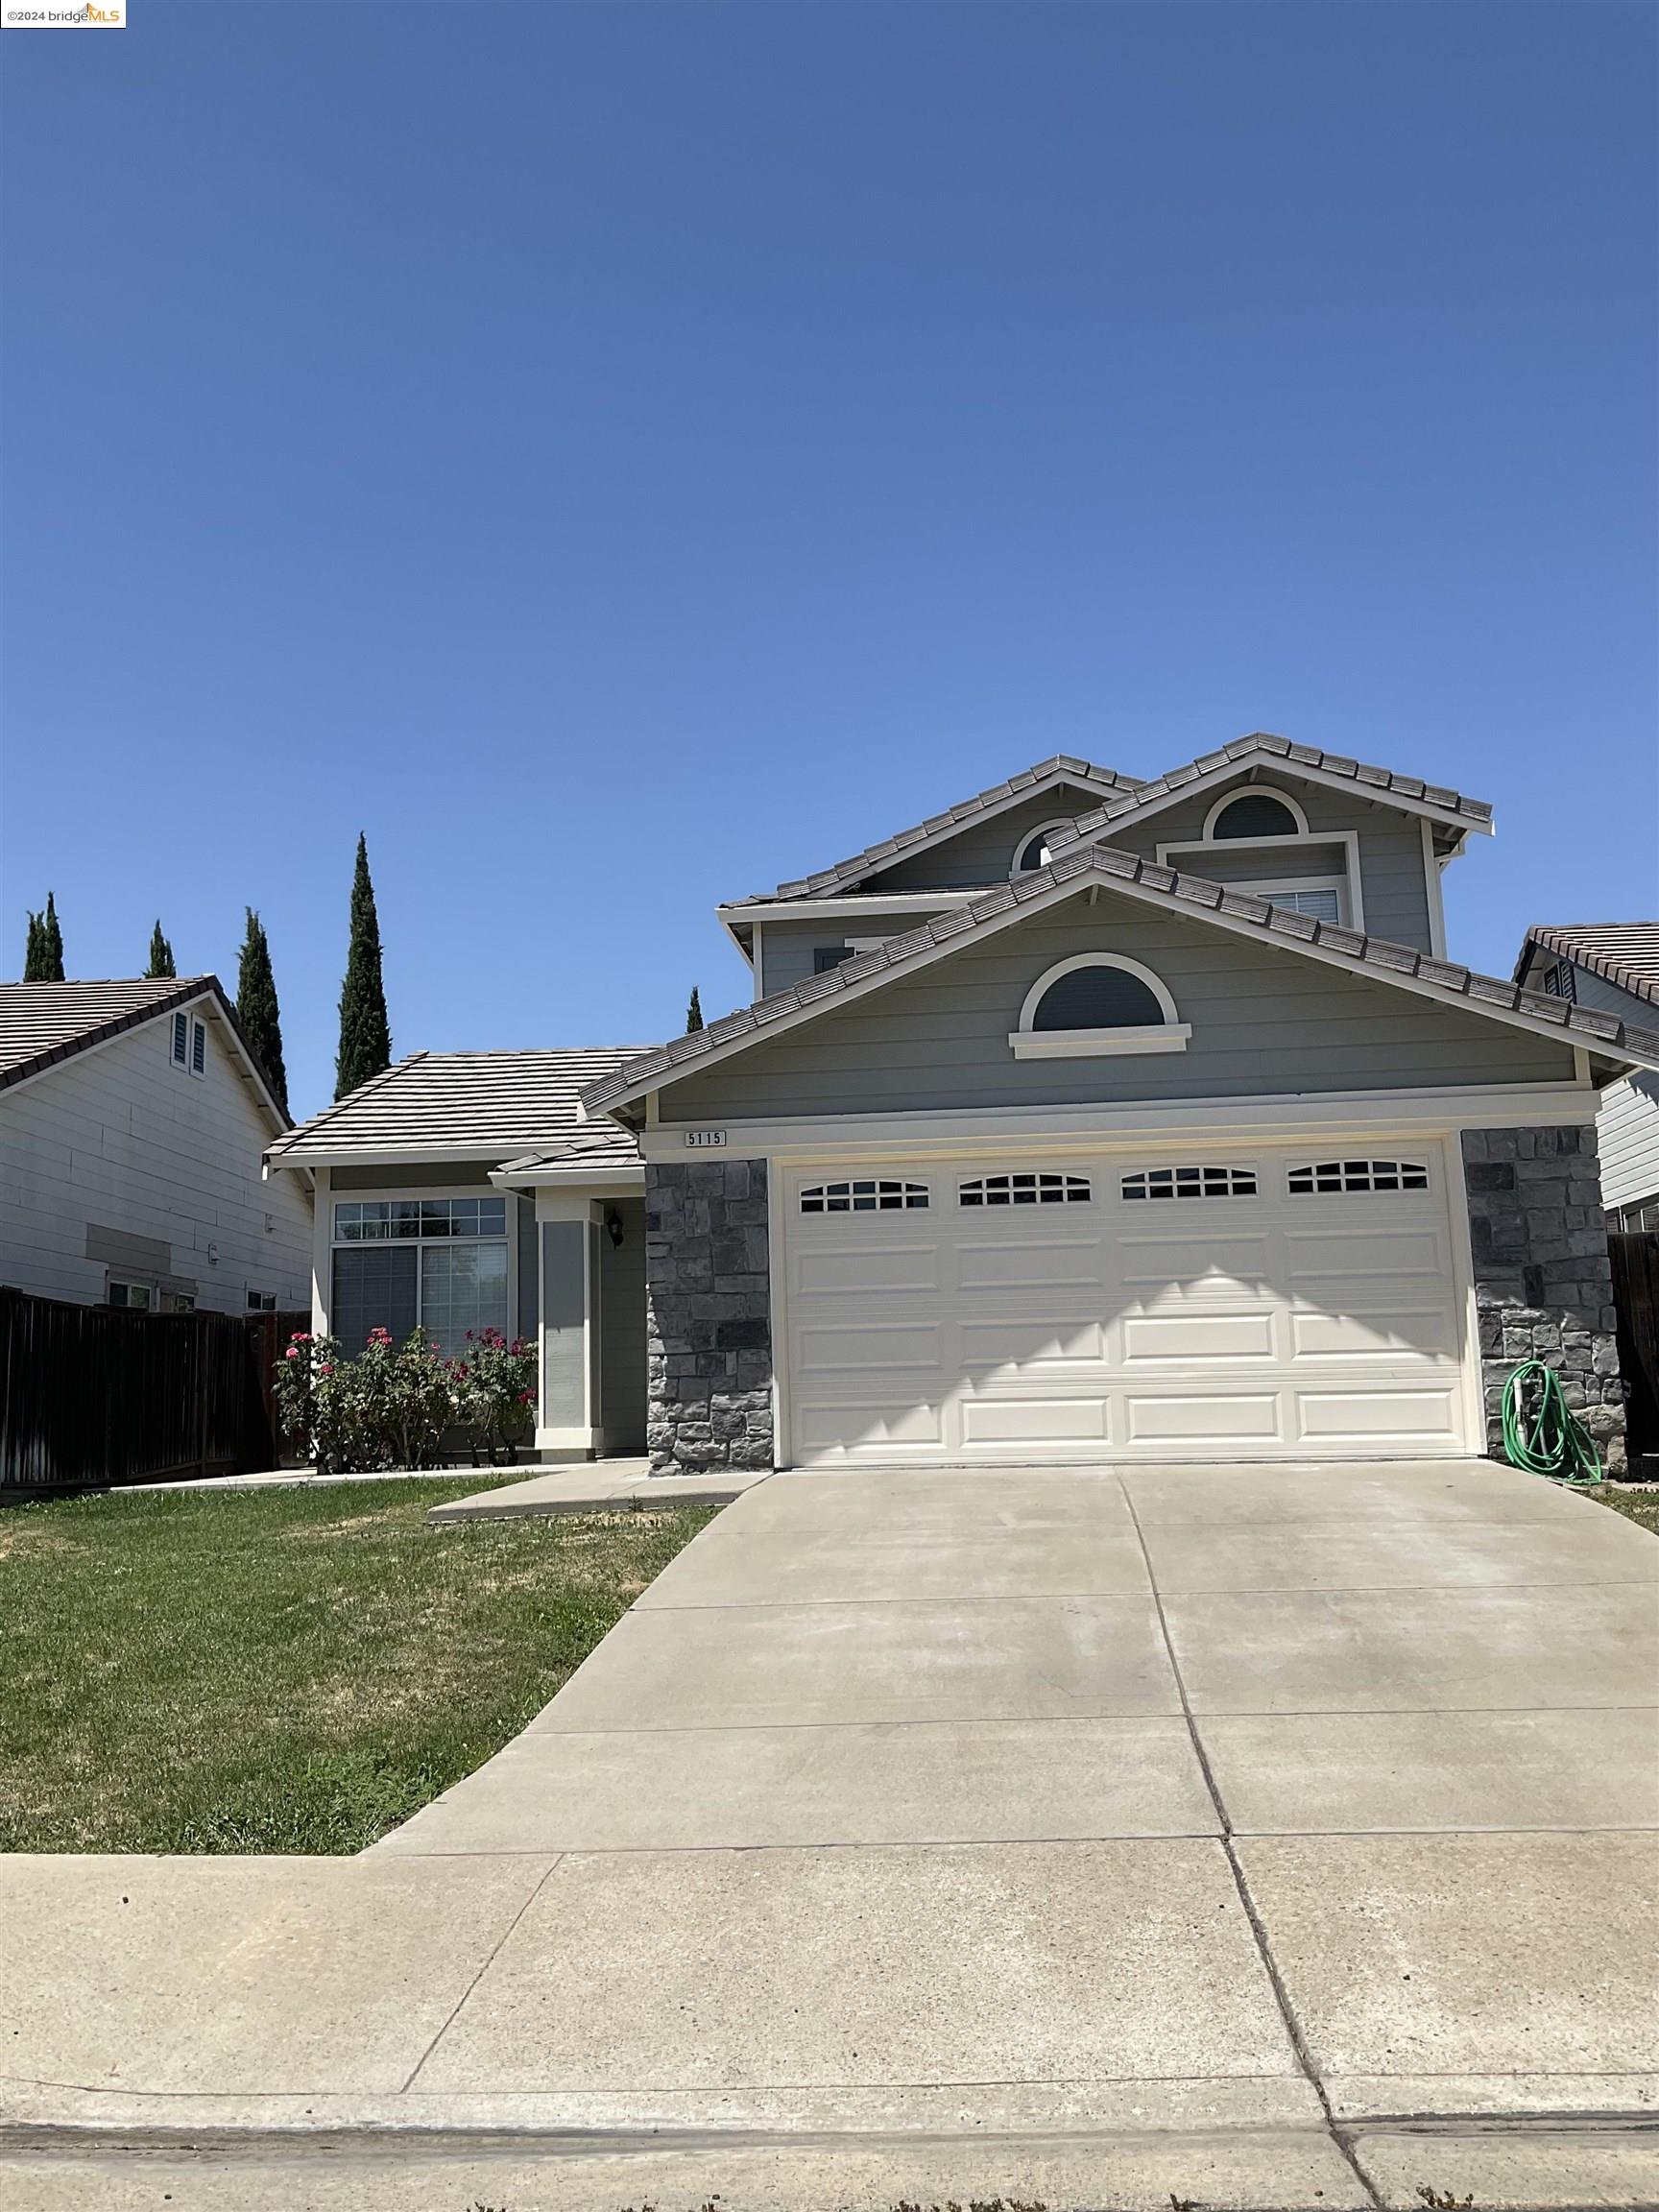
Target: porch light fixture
[613, 1228]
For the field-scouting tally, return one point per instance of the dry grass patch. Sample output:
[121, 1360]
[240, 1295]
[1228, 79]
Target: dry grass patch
[284, 1669]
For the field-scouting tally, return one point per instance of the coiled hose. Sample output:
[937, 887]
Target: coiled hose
[1546, 1438]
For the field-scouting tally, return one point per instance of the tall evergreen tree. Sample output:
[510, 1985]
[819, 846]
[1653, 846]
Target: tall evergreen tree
[43, 961]
[258, 1010]
[161, 955]
[365, 1033]
[693, 1014]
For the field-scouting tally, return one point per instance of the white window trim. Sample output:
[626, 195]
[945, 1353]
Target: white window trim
[1029, 1043]
[1171, 855]
[1240, 791]
[1043, 828]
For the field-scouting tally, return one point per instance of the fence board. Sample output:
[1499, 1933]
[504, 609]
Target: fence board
[91, 1396]
[1635, 1257]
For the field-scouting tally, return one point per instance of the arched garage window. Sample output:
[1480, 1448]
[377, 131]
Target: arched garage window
[1258, 812]
[1097, 1003]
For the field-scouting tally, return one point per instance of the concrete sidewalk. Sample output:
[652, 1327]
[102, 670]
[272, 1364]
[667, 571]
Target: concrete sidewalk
[1265, 1836]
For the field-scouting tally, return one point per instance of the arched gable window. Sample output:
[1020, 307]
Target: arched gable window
[1034, 849]
[1097, 1003]
[1256, 812]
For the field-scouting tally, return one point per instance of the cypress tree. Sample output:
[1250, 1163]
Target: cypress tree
[693, 1014]
[44, 960]
[161, 955]
[258, 1010]
[51, 942]
[364, 1034]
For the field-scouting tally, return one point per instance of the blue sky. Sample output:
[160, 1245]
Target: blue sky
[620, 457]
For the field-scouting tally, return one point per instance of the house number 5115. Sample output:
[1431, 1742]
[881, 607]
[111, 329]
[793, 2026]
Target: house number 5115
[703, 1139]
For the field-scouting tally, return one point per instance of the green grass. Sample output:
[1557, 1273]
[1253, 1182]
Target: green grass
[283, 1670]
[1639, 1505]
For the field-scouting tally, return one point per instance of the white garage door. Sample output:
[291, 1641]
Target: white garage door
[1254, 1303]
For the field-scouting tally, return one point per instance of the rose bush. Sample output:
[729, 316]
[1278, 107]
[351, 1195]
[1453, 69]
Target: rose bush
[394, 1405]
[496, 1386]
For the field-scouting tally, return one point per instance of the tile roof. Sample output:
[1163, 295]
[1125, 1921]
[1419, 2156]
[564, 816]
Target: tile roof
[595, 1144]
[1374, 782]
[1079, 864]
[1621, 952]
[1059, 766]
[41, 1024]
[485, 1105]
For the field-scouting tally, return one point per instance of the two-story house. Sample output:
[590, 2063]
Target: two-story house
[1613, 967]
[1091, 1120]
[132, 1122]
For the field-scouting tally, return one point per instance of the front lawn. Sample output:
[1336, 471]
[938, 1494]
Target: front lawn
[284, 1669]
[1641, 1506]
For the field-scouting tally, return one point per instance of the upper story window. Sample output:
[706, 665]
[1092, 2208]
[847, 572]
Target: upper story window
[1035, 851]
[828, 956]
[1255, 813]
[1096, 1004]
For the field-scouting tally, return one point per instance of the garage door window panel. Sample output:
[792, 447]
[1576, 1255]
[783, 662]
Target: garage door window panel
[1026, 1190]
[1190, 1182]
[1343, 1178]
[1096, 1004]
[869, 1195]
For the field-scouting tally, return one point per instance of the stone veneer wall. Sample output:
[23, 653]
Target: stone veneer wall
[1543, 1280]
[707, 1315]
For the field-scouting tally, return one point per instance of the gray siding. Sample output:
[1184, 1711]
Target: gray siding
[984, 853]
[405, 1175]
[1240, 866]
[623, 1331]
[563, 1335]
[786, 947]
[1391, 866]
[1264, 1021]
[525, 1225]
[1605, 997]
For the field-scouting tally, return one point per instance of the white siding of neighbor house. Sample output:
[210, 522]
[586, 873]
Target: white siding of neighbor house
[1627, 1138]
[116, 1155]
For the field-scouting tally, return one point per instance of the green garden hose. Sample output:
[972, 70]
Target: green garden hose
[1548, 1438]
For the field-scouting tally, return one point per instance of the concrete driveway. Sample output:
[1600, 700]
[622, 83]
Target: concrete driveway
[1291, 1828]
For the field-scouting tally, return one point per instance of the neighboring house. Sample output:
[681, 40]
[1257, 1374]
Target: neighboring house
[132, 1121]
[1091, 1120]
[1613, 967]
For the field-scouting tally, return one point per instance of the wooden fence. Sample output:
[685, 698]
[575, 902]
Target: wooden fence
[1635, 1255]
[91, 1396]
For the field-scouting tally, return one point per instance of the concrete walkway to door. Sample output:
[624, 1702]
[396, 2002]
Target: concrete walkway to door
[1250, 1821]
